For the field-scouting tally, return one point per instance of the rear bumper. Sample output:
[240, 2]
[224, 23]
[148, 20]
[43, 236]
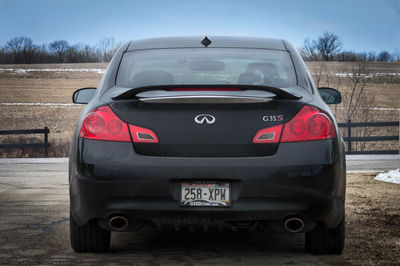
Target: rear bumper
[299, 180]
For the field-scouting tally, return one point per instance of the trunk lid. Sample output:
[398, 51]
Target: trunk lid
[221, 125]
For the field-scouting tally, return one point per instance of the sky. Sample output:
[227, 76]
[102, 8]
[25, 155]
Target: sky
[362, 25]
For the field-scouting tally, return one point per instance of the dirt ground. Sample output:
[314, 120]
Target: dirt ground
[34, 223]
[372, 221]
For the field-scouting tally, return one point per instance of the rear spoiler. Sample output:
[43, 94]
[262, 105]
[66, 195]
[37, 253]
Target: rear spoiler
[279, 93]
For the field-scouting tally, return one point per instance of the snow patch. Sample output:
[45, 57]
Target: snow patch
[26, 70]
[55, 104]
[368, 76]
[20, 71]
[373, 108]
[51, 105]
[391, 176]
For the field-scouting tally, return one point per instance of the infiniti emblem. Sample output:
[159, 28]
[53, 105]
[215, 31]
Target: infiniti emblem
[200, 119]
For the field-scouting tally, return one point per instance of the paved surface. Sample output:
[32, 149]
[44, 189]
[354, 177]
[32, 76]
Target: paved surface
[34, 223]
[372, 163]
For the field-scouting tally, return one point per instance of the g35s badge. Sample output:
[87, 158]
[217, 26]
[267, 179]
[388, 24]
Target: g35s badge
[273, 118]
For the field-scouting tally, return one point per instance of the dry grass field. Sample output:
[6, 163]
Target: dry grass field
[382, 79]
[35, 96]
[40, 95]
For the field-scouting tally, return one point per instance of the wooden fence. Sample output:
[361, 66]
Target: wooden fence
[45, 145]
[349, 138]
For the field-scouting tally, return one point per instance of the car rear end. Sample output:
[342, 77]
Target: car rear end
[215, 144]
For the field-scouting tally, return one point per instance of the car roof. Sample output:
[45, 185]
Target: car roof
[216, 41]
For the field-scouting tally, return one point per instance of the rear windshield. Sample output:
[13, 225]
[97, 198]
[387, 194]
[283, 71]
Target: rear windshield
[196, 66]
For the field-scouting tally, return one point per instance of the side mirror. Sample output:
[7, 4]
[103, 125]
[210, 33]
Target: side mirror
[83, 96]
[330, 96]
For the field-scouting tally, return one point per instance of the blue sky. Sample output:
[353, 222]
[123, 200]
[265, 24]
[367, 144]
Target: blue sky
[361, 25]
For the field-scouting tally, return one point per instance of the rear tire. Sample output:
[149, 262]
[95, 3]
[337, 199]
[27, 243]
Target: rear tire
[89, 237]
[326, 241]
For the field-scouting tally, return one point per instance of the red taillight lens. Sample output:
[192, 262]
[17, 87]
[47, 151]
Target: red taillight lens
[268, 135]
[93, 125]
[144, 135]
[309, 124]
[103, 124]
[319, 125]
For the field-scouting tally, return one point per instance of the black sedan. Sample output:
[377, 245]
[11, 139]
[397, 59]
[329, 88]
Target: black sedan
[207, 133]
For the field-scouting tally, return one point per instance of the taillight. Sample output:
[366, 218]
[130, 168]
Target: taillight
[309, 124]
[103, 124]
[144, 135]
[268, 135]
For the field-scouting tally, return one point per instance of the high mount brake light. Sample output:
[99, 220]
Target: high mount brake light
[205, 89]
[310, 123]
[102, 124]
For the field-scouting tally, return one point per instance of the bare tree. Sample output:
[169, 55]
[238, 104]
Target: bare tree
[3, 55]
[358, 82]
[318, 74]
[72, 53]
[384, 56]
[348, 56]
[396, 55]
[88, 54]
[21, 47]
[42, 54]
[371, 56]
[324, 78]
[359, 106]
[107, 47]
[28, 50]
[81, 53]
[308, 50]
[60, 48]
[327, 45]
[14, 46]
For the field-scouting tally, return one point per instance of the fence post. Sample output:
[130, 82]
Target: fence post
[349, 136]
[46, 141]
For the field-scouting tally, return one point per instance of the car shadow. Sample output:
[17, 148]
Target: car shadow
[212, 247]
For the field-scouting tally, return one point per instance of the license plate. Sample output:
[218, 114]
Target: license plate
[205, 194]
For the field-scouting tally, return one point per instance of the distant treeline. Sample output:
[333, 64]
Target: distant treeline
[22, 50]
[328, 47]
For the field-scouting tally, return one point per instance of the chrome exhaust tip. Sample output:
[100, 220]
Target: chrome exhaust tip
[118, 223]
[294, 224]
